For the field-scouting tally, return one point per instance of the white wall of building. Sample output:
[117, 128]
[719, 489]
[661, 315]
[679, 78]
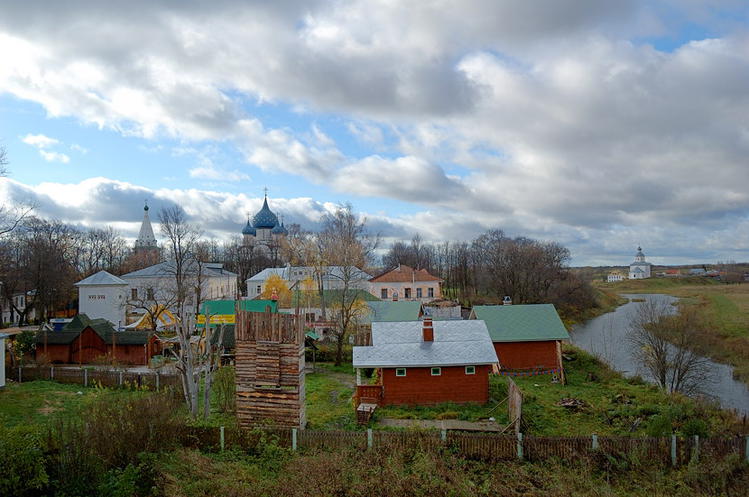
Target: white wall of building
[103, 301]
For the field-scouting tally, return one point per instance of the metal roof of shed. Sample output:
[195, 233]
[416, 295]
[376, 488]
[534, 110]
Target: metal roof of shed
[521, 323]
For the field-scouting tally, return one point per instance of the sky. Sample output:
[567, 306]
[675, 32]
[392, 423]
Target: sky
[601, 125]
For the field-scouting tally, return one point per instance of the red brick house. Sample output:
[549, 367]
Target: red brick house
[422, 363]
[84, 340]
[525, 337]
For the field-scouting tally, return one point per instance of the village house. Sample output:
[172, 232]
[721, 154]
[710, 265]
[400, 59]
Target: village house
[426, 362]
[85, 340]
[11, 309]
[525, 337]
[329, 277]
[614, 277]
[406, 283]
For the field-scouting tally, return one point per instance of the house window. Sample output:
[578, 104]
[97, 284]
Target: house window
[408, 293]
[430, 292]
[436, 371]
[470, 369]
[418, 293]
[133, 293]
[384, 293]
[149, 294]
[258, 290]
[400, 371]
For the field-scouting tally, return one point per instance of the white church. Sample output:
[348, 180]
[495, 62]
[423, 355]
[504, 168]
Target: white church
[640, 268]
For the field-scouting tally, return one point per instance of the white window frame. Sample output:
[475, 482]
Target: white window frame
[473, 369]
[398, 370]
[439, 371]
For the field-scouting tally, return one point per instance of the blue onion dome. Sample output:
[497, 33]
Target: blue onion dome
[280, 229]
[248, 229]
[265, 217]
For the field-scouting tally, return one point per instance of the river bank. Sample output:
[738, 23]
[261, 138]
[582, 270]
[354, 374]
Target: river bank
[725, 308]
[607, 337]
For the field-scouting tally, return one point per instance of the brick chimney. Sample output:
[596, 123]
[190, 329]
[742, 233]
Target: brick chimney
[428, 330]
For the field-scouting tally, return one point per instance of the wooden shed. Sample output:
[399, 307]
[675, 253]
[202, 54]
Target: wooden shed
[525, 337]
[84, 340]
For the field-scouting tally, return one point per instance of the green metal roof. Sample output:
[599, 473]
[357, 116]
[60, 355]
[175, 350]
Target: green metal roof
[226, 307]
[101, 327]
[390, 311]
[521, 323]
[312, 298]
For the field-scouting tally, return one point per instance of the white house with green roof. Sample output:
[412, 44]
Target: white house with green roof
[525, 337]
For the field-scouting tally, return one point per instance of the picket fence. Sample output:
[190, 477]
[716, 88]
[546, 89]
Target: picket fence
[659, 450]
[94, 376]
[665, 450]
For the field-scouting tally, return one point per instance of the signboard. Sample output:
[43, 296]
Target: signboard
[217, 319]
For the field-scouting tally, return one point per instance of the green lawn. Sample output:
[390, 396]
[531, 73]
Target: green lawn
[328, 401]
[37, 402]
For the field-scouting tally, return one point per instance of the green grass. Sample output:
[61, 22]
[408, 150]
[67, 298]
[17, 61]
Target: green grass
[328, 402]
[38, 402]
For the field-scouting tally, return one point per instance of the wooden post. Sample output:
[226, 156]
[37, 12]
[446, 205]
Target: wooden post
[520, 445]
[120, 378]
[696, 449]
[19, 375]
[223, 441]
[370, 440]
[746, 448]
[85, 377]
[594, 444]
[157, 380]
[562, 378]
[51, 372]
[674, 461]
[443, 435]
[293, 438]
[358, 376]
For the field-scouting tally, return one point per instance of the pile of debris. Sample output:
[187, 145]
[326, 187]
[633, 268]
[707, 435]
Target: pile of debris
[572, 404]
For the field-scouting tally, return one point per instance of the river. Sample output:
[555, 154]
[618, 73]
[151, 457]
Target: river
[607, 337]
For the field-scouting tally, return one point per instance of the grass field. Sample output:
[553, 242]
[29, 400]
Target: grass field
[724, 306]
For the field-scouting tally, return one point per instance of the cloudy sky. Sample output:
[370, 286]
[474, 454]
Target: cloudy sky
[598, 124]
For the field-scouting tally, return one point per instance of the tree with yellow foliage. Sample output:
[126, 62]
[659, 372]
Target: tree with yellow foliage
[277, 285]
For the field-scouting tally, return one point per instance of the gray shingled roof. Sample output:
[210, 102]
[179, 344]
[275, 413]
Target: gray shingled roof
[165, 269]
[400, 344]
[101, 278]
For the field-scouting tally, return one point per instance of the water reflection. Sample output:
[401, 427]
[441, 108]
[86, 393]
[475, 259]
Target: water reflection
[607, 337]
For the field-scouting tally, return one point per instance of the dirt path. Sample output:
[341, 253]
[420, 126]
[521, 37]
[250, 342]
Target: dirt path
[447, 424]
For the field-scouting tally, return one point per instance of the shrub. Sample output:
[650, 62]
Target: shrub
[660, 426]
[225, 389]
[694, 426]
[22, 469]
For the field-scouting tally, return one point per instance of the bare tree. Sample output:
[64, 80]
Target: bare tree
[344, 242]
[662, 339]
[153, 299]
[11, 217]
[181, 240]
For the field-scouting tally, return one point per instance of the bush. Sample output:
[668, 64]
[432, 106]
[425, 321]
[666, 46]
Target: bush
[225, 389]
[660, 426]
[695, 426]
[22, 470]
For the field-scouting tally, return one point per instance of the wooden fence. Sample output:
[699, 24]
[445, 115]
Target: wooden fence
[91, 377]
[665, 451]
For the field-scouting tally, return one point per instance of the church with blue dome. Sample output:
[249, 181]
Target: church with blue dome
[264, 229]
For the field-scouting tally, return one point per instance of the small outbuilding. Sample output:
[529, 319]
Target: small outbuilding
[423, 363]
[85, 340]
[525, 337]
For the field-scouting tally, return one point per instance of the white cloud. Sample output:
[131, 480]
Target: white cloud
[558, 123]
[54, 156]
[39, 141]
[77, 148]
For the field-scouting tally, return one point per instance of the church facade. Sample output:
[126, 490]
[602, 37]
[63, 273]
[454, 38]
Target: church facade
[640, 268]
[264, 232]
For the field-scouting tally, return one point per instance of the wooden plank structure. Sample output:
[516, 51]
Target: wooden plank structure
[270, 369]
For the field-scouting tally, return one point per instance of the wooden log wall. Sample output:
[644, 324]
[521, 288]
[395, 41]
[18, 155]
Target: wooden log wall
[270, 369]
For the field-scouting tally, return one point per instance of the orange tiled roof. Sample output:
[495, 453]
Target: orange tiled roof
[404, 274]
